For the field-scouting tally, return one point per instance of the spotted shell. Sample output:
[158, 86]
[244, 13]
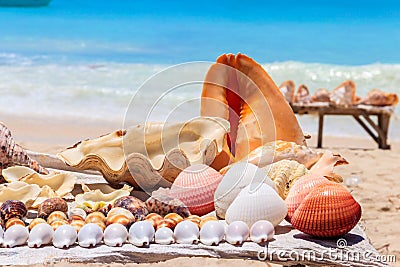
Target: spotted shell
[329, 210]
[195, 186]
[162, 203]
[50, 205]
[56, 216]
[95, 217]
[14, 221]
[154, 219]
[134, 205]
[35, 222]
[207, 219]
[13, 208]
[77, 224]
[58, 223]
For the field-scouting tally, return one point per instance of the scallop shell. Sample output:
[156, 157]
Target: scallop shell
[212, 233]
[77, 224]
[235, 179]
[64, 237]
[134, 205]
[95, 217]
[329, 210]
[195, 219]
[50, 205]
[90, 235]
[58, 223]
[186, 232]
[35, 222]
[56, 216]
[207, 219]
[115, 235]
[14, 221]
[262, 231]
[237, 232]
[257, 202]
[150, 161]
[40, 235]
[77, 214]
[154, 219]
[13, 208]
[16, 235]
[26, 193]
[141, 233]
[162, 203]
[164, 236]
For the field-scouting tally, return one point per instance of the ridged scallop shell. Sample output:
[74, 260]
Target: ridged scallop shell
[237, 232]
[212, 233]
[239, 176]
[13, 208]
[329, 210]
[195, 186]
[64, 237]
[186, 232]
[262, 231]
[95, 217]
[56, 216]
[162, 203]
[154, 219]
[50, 205]
[14, 221]
[141, 233]
[16, 235]
[35, 222]
[257, 202]
[164, 236]
[56, 224]
[134, 205]
[207, 219]
[90, 235]
[77, 214]
[40, 235]
[77, 224]
[115, 235]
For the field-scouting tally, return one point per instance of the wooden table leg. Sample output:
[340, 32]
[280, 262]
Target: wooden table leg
[383, 123]
[320, 128]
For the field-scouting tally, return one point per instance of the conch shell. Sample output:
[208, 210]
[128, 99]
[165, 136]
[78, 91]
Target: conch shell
[302, 95]
[154, 151]
[287, 88]
[344, 94]
[321, 95]
[376, 97]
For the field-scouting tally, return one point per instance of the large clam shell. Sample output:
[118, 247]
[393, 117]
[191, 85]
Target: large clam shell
[26, 193]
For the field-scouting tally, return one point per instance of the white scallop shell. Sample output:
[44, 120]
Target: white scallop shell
[16, 235]
[239, 176]
[237, 232]
[90, 235]
[65, 236]
[115, 235]
[257, 202]
[41, 234]
[164, 236]
[1, 235]
[77, 212]
[212, 233]
[141, 233]
[186, 232]
[262, 231]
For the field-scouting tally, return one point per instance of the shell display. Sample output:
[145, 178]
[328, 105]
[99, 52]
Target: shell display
[237, 232]
[164, 236]
[77, 224]
[329, 210]
[376, 97]
[195, 219]
[64, 237]
[77, 214]
[115, 235]
[186, 232]
[257, 202]
[321, 95]
[212, 233]
[195, 186]
[26, 193]
[262, 231]
[154, 219]
[16, 235]
[141, 233]
[153, 151]
[41, 234]
[50, 205]
[13, 208]
[14, 221]
[90, 235]
[56, 216]
[238, 176]
[95, 217]
[35, 222]
[134, 205]
[207, 219]
[58, 223]
[162, 203]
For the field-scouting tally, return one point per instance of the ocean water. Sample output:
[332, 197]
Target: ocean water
[87, 59]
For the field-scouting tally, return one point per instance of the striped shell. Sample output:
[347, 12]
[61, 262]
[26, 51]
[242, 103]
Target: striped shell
[329, 210]
[195, 219]
[50, 205]
[169, 223]
[162, 203]
[207, 219]
[77, 224]
[14, 221]
[77, 214]
[56, 216]
[58, 223]
[195, 186]
[154, 219]
[134, 205]
[35, 222]
[121, 216]
[176, 218]
[95, 217]
[13, 208]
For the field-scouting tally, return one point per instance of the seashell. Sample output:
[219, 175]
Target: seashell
[257, 202]
[344, 94]
[106, 209]
[95, 217]
[237, 232]
[65, 236]
[77, 224]
[262, 231]
[102, 225]
[325, 165]
[162, 203]
[235, 179]
[1, 235]
[122, 211]
[16, 235]
[376, 97]
[56, 216]
[35, 222]
[302, 95]
[90, 235]
[26, 193]
[287, 88]
[195, 219]
[154, 219]
[58, 223]
[141, 233]
[45, 193]
[40, 235]
[212, 233]
[14, 221]
[77, 214]
[329, 210]
[115, 235]
[164, 236]
[96, 199]
[155, 163]
[174, 217]
[186, 232]
[207, 219]
[13, 208]
[195, 186]
[166, 223]
[120, 219]
[134, 205]
[50, 205]
[321, 95]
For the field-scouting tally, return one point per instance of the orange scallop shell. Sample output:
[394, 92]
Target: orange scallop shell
[195, 187]
[329, 210]
[77, 224]
[14, 221]
[95, 217]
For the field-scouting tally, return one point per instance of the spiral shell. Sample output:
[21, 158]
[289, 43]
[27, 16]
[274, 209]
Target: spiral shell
[13, 208]
[90, 235]
[121, 216]
[77, 224]
[141, 233]
[14, 221]
[134, 205]
[115, 235]
[56, 216]
[212, 233]
[262, 231]
[162, 203]
[40, 235]
[154, 219]
[50, 205]
[16, 235]
[95, 217]
[207, 219]
[35, 222]
[77, 214]
[64, 237]
[164, 236]
[237, 232]
[186, 232]
[195, 219]
[58, 223]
